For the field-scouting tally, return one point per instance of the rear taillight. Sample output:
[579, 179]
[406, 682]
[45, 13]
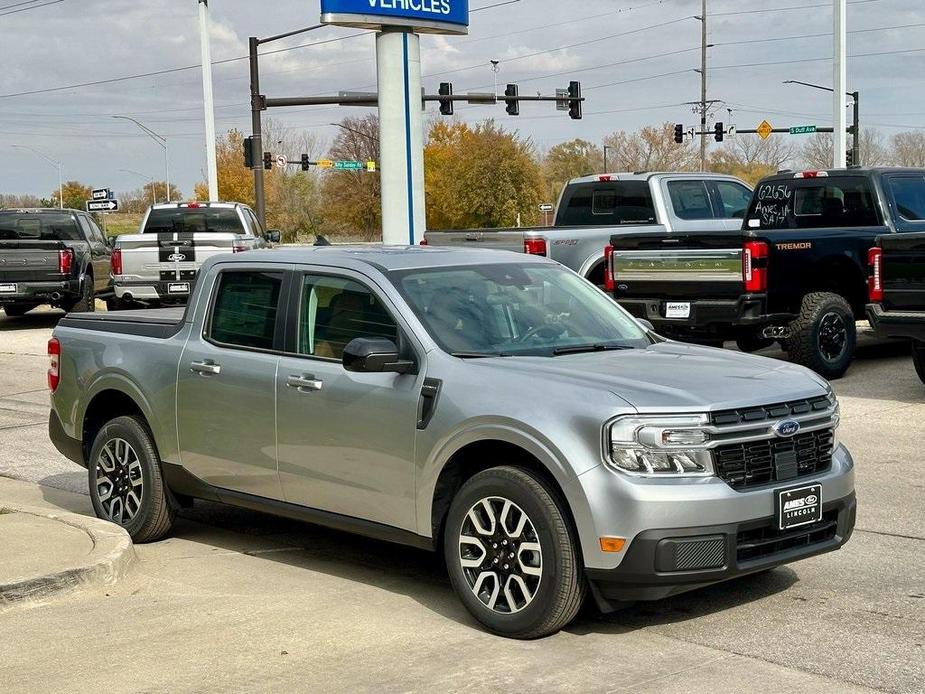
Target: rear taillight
[115, 262]
[535, 246]
[54, 359]
[423, 242]
[65, 261]
[875, 276]
[609, 283]
[755, 266]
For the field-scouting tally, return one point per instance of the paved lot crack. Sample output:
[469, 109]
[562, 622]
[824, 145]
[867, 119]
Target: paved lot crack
[886, 534]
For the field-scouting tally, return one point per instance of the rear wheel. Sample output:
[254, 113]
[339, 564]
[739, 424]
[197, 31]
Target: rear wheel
[823, 336]
[126, 486]
[87, 302]
[16, 310]
[511, 554]
[918, 358]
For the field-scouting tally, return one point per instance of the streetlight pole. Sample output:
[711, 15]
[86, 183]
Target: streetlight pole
[162, 141]
[606, 147]
[149, 179]
[207, 100]
[839, 80]
[856, 124]
[52, 161]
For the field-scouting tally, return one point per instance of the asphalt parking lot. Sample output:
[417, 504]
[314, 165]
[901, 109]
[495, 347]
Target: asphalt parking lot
[237, 600]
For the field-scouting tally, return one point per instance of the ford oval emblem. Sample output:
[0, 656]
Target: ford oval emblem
[787, 428]
[176, 257]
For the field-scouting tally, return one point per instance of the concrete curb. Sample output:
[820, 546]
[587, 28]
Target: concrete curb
[111, 557]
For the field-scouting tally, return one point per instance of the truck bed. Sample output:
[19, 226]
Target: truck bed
[160, 323]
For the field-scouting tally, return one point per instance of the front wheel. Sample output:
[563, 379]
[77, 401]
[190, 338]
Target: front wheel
[918, 358]
[126, 486]
[511, 554]
[823, 336]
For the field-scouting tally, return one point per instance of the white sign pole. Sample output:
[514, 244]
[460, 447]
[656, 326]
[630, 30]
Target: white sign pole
[401, 136]
[206, 52]
[840, 83]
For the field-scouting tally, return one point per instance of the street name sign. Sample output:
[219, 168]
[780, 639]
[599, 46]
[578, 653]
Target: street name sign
[764, 130]
[102, 205]
[427, 16]
[101, 194]
[349, 165]
[802, 129]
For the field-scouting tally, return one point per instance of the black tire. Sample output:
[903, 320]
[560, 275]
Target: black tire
[114, 303]
[152, 518]
[16, 310]
[87, 301]
[753, 343]
[823, 337]
[560, 587]
[918, 358]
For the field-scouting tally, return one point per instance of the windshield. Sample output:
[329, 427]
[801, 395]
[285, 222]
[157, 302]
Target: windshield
[516, 309]
[194, 220]
[44, 226]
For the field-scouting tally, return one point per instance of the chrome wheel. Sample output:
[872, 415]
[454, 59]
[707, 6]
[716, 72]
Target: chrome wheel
[833, 336]
[500, 555]
[119, 481]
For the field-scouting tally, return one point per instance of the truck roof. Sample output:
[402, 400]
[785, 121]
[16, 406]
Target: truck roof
[646, 175]
[788, 174]
[39, 210]
[194, 204]
[383, 258]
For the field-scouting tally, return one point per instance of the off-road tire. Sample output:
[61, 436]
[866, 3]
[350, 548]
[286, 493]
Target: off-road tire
[16, 310]
[807, 342]
[155, 515]
[918, 358]
[562, 587]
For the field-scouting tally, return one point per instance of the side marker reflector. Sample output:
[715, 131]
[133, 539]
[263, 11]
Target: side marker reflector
[612, 544]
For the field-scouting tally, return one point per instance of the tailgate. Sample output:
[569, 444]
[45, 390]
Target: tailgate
[171, 256]
[497, 239]
[903, 271]
[679, 266]
[29, 261]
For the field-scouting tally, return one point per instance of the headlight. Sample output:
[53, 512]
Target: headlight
[668, 446]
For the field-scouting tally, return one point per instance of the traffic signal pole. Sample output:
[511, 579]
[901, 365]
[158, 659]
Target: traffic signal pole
[257, 107]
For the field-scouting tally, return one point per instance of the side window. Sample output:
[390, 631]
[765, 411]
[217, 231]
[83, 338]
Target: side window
[334, 311]
[245, 309]
[732, 199]
[250, 226]
[909, 196]
[87, 229]
[258, 230]
[97, 232]
[690, 199]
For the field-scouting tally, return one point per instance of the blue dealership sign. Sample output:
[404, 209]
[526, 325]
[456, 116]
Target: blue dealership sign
[432, 16]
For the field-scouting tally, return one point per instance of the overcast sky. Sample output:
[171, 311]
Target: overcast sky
[633, 72]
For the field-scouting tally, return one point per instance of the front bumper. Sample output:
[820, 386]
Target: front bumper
[896, 323]
[718, 317]
[41, 292]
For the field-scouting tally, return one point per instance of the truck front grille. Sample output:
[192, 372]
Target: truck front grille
[760, 462]
[758, 543]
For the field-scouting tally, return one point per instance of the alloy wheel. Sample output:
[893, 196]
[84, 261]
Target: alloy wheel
[500, 554]
[119, 481]
[833, 336]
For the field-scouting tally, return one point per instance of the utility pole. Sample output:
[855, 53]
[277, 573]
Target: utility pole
[856, 130]
[839, 82]
[207, 101]
[257, 133]
[703, 85]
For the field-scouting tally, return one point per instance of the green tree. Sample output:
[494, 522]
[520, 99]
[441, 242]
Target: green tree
[75, 195]
[353, 199]
[482, 176]
[568, 160]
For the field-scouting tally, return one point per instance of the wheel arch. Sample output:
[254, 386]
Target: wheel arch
[108, 401]
[840, 274]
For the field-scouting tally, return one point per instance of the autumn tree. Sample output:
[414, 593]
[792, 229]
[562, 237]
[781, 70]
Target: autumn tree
[818, 151]
[568, 160]
[481, 176]
[353, 198]
[908, 148]
[751, 158]
[651, 149]
[75, 195]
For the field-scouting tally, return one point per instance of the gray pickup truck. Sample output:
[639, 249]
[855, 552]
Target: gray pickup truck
[592, 209]
[495, 407]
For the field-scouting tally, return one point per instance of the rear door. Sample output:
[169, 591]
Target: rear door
[226, 400]
[99, 252]
[903, 260]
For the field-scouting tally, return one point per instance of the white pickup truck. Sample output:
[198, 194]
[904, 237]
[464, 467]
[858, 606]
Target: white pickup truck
[159, 264]
[592, 209]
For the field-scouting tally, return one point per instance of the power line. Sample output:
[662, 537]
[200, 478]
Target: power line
[784, 9]
[816, 60]
[26, 9]
[816, 36]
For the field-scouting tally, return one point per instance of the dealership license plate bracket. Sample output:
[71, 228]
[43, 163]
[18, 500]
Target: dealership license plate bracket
[798, 506]
[677, 309]
[178, 288]
[7, 288]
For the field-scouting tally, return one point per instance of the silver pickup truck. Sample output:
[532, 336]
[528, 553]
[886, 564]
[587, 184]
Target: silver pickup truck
[592, 209]
[159, 264]
[495, 407]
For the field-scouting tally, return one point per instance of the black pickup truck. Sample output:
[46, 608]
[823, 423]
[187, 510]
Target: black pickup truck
[795, 273]
[897, 283]
[51, 256]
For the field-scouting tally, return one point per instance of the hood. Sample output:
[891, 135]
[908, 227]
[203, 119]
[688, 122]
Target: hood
[672, 376]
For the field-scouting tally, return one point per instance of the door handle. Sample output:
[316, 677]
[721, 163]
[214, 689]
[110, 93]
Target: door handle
[205, 368]
[304, 383]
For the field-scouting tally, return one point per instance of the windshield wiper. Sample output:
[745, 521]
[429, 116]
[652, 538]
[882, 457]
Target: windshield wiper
[579, 349]
[478, 355]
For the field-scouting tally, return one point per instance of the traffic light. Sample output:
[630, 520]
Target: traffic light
[268, 160]
[513, 104]
[305, 163]
[849, 158]
[718, 132]
[679, 133]
[574, 100]
[249, 152]
[446, 105]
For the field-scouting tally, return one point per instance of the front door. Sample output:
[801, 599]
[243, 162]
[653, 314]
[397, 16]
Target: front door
[100, 253]
[345, 440]
[226, 385]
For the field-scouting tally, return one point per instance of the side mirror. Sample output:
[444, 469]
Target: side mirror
[273, 236]
[374, 355]
[646, 324]
[111, 241]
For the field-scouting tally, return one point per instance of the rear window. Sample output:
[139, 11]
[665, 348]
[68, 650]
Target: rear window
[909, 196]
[47, 226]
[813, 203]
[194, 220]
[606, 202]
[690, 199]
[244, 313]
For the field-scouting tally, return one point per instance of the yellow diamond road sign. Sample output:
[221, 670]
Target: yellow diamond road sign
[764, 130]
